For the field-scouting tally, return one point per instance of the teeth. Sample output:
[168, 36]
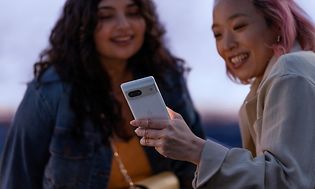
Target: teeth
[239, 58]
[122, 39]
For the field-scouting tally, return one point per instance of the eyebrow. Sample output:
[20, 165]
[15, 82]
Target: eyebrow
[234, 16]
[102, 7]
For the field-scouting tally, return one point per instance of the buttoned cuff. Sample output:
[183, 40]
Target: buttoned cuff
[212, 157]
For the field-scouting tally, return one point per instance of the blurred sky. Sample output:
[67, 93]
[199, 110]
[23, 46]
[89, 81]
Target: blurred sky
[25, 27]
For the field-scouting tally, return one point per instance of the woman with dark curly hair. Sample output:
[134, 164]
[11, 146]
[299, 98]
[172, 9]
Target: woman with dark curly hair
[73, 116]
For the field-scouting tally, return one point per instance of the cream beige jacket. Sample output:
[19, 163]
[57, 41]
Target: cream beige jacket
[277, 122]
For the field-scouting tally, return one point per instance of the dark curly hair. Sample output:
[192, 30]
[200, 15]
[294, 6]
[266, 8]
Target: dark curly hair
[73, 54]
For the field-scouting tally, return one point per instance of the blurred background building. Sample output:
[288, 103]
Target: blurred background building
[25, 27]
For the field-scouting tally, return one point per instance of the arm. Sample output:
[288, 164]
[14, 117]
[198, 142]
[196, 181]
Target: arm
[185, 169]
[26, 150]
[285, 143]
[173, 139]
[176, 96]
[182, 103]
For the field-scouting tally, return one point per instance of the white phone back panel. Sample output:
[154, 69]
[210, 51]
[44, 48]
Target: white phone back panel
[149, 104]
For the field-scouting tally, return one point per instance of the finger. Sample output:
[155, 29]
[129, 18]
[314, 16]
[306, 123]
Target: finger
[156, 143]
[148, 142]
[145, 133]
[134, 123]
[161, 151]
[139, 122]
[151, 124]
[148, 124]
[145, 140]
[149, 133]
[173, 114]
[140, 132]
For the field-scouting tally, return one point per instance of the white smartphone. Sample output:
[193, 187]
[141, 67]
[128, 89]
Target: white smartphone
[144, 99]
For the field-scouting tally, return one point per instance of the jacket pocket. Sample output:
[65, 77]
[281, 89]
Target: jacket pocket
[68, 165]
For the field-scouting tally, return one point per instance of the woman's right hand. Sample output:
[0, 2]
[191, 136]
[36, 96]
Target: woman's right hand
[172, 138]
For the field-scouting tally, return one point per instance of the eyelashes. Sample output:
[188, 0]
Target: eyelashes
[239, 27]
[236, 28]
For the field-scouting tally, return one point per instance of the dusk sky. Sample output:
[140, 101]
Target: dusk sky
[25, 27]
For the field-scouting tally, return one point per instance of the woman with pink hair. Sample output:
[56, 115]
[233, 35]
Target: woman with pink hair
[270, 45]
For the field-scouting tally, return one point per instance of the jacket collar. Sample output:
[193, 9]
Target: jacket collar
[251, 99]
[50, 75]
[296, 47]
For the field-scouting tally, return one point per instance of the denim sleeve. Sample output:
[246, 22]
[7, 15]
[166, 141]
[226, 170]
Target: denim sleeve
[26, 149]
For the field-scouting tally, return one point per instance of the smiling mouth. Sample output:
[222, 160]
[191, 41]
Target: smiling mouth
[239, 59]
[122, 39]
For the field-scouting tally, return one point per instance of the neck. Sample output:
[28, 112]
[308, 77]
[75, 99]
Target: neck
[117, 69]
[118, 73]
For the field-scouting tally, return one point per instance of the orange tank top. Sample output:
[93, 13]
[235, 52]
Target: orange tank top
[135, 161]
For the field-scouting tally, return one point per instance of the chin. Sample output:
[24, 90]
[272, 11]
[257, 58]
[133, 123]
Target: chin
[242, 77]
[124, 56]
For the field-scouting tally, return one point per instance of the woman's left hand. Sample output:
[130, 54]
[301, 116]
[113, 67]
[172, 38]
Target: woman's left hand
[172, 138]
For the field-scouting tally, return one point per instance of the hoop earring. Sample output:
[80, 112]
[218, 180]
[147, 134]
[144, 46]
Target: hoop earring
[278, 39]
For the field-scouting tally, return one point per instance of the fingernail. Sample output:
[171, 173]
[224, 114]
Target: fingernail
[134, 122]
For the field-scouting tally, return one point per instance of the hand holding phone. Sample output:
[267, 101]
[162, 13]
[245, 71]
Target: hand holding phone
[144, 99]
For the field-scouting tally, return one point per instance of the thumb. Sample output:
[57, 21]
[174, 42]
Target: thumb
[173, 114]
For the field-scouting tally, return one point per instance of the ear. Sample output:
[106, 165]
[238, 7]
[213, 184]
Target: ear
[277, 35]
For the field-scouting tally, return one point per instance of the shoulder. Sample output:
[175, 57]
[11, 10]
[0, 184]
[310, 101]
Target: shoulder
[49, 88]
[50, 82]
[174, 79]
[173, 86]
[296, 64]
[290, 68]
[50, 75]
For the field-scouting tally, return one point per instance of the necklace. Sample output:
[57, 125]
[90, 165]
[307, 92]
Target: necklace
[122, 167]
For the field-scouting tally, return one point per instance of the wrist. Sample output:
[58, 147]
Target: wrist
[197, 145]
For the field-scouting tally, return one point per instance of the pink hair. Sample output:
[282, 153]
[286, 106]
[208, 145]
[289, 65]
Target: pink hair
[291, 20]
[292, 23]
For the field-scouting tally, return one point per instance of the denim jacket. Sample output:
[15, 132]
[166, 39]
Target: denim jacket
[41, 151]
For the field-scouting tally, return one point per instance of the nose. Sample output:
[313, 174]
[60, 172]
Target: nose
[122, 22]
[229, 41]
